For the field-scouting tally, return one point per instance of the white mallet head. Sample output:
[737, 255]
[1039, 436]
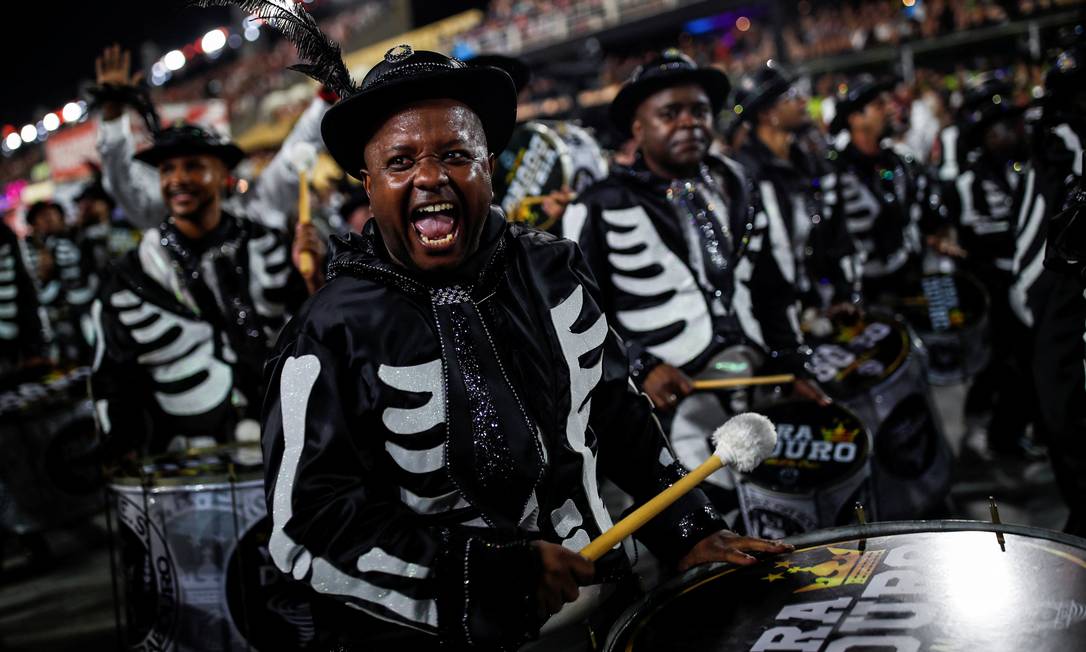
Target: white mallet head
[744, 441]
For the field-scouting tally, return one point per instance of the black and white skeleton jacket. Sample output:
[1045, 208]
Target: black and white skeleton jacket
[183, 329]
[687, 268]
[818, 249]
[885, 203]
[417, 437]
[981, 201]
[21, 334]
[1053, 171]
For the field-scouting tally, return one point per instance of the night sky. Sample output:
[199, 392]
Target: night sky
[49, 47]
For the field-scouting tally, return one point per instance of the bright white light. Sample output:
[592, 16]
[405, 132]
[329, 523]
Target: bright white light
[71, 112]
[252, 33]
[213, 41]
[13, 141]
[174, 60]
[29, 133]
[51, 121]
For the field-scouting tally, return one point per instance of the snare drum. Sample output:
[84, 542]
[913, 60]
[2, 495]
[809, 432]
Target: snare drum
[819, 469]
[950, 315]
[543, 157]
[192, 541]
[46, 424]
[906, 586]
[875, 368]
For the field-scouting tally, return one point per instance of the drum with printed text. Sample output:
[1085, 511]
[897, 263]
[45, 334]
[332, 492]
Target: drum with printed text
[818, 471]
[875, 368]
[897, 586]
[543, 157]
[950, 315]
[192, 550]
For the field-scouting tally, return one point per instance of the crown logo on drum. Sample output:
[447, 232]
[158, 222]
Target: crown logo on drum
[840, 434]
[398, 53]
[845, 566]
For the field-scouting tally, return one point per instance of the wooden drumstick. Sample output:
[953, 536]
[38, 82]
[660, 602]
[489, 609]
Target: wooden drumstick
[305, 262]
[743, 442]
[727, 383]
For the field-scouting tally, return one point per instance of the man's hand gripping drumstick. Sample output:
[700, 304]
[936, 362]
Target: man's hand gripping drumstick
[742, 443]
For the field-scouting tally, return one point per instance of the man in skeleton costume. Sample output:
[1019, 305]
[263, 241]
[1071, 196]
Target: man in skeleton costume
[185, 321]
[981, 199]
[439, 414]
[881, 197]
[66, 281]
[818, 250]
[679, 243]
[135, 185]
[21, 336]
[1050, 301]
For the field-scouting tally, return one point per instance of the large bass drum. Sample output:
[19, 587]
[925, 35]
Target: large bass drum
[904, 587]
[950, 315]
[876, 369]
[192, 537]
[818, 471]
[543, 157]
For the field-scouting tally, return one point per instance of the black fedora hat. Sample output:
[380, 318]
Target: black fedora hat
[517, 70]
[406, 76]
[670, 69]
[987, 101]
[857, 94]
[758, 90]
[190, 140]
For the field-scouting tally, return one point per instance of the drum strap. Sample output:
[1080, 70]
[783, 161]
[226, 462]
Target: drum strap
[702, 213]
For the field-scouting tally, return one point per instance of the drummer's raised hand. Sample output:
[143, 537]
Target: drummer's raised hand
[727, 546]
[562, 572]
[113, 68]
[308, 241]
[666, 386]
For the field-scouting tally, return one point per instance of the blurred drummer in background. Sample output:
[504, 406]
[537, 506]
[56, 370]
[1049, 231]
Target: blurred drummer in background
[982, 199]
[22, 338]
[679, 241]
[185, 321]
[885, 201]
[788, 179]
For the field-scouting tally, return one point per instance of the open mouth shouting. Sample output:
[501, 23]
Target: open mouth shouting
[437, 225]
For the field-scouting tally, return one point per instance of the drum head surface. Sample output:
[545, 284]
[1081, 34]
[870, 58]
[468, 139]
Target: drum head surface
[905, 587]
[816, 446]
[859, 356]
[535, 162]
[216, 465]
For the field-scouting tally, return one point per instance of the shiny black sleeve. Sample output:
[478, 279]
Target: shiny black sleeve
[635, 455]
[339, 525]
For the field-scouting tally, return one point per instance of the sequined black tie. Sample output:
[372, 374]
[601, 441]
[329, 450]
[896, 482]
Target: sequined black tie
[714, 239]
[491, 450]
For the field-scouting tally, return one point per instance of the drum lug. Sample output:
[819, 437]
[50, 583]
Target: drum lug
[994, 510]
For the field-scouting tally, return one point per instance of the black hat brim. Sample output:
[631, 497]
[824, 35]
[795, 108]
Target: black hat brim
[489, 92]
[969, 135]
[764, 97]
[625, 104]
[848, 107]
[229, 153]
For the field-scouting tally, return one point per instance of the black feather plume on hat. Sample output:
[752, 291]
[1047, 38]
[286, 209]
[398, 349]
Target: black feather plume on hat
[322, 57]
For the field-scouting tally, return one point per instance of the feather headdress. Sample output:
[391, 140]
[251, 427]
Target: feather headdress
[321, 56]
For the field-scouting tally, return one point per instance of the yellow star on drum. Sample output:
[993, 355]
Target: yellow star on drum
[784, 564]
[773, 577]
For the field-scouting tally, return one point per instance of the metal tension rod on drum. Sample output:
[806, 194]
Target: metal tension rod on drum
[995, 521]
[727, 383]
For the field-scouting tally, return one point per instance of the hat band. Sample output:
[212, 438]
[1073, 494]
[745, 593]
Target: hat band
[409, 69]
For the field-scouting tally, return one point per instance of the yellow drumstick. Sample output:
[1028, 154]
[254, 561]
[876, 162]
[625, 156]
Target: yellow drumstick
[726, 383]
[305, 263]
[743, 442]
